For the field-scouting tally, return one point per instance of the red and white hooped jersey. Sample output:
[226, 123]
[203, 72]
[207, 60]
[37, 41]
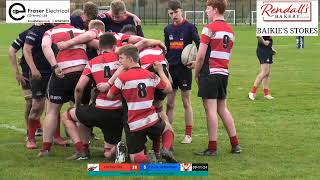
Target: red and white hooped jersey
[73, 56]
[122, 39]
[150, 55]
[137, 86]
[101, 68]
[220, 37]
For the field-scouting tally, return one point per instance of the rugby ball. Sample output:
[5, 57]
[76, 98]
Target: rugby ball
[189, 54]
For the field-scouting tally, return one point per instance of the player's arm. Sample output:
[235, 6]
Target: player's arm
[149, 42]
[81, 85]
[159, 68]
[27, 52]
[262, 41]
[48, 53]
[115, 88]
[81, 39]
[14, 64]
[93, 44]
[200, 59]
[195, 36]
[134, 39]
[104, 87]
[136, 19]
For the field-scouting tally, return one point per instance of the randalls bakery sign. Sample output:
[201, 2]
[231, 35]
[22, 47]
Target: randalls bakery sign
[287, 18]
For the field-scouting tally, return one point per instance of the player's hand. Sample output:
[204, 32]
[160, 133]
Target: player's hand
[21, 79]
[191, 64]
[274, 52]
[196, 77]
[266, 43]
[157, 66]
[62, 45]
[103, 87]
[137, 20]
[59, 73]
[35, 74]
[163, 47]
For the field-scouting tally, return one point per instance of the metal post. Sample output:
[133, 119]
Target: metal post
[144, 12]
[250, 14]
[235, 11]
[156, 11]
[194, 11]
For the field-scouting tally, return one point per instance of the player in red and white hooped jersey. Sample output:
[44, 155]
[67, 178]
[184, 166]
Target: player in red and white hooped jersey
[211, 73]
[67, 67]
[137, 87]
[107, 112]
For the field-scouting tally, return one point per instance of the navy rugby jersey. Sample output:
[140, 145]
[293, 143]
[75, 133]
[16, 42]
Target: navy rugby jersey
[112, 26]
[18, 44]
[78, 23]
[177, 37]
[266, 38]
[34, 38]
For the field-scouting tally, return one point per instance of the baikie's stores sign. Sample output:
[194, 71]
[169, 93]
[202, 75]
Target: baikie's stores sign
[287, 18]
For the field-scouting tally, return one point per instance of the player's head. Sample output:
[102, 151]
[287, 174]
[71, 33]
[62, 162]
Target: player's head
[129, 29]
[77, 12]
[107, 41]
[90, 11]
[97, 24]
[128, 56]
[118, 10]
[175, 11]
[216, 8]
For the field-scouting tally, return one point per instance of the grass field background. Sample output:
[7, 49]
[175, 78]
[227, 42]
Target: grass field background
[279, 138]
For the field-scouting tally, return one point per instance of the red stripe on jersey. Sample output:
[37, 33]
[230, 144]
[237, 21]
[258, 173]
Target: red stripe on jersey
[101, 68]
[149, 56]
[122, 39]
[219, 35]
[138, 86]
[73, 56]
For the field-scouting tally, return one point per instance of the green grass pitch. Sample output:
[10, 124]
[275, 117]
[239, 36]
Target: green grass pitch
[279, 138]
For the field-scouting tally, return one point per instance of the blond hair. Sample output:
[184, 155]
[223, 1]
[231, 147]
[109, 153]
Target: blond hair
[96, 24]
[221, 5]
[117, 6]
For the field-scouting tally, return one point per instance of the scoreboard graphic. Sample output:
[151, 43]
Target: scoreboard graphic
[165, 169]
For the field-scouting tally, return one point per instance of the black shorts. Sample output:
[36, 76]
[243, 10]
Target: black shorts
[109, 121]
[39, 86]
[213, 86]
[61, 90]
[136, 140]
[264, 56]
[181, 77]
[159, 94]
[25, 73]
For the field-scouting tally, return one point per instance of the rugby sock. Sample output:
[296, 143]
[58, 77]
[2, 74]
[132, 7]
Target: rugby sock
[46, 146]
[234, 141]
[254, 89]
[156, 145]
[57, 133]
[32, 127]
[38, 123]
[266, 92]
[212, 146]
[188, 130]
[167, 139]
[140, 158]
[86, 146]
[79, 146]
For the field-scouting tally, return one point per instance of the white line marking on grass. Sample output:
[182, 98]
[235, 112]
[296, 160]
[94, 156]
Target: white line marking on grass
[11, 144]
[7, 126]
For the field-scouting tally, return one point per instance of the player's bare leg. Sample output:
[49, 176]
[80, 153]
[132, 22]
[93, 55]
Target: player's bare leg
[265, 84]
[188, 116]
[70, 121]
[171, 100]
[263, 73]
[210, 106]
[28, 105]
[49, 127]
[228, 122]
[167, 142]
[33, 120]
[109, 151]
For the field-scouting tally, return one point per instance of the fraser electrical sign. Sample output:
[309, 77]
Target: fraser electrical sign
[38, 11]
[287, 18]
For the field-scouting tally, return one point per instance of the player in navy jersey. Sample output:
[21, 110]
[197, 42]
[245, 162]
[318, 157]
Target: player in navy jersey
[211, 73]
[137, 87]
[265, 53]
[23, 78]
[40, 71]
[118, 17]
[177, 36]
